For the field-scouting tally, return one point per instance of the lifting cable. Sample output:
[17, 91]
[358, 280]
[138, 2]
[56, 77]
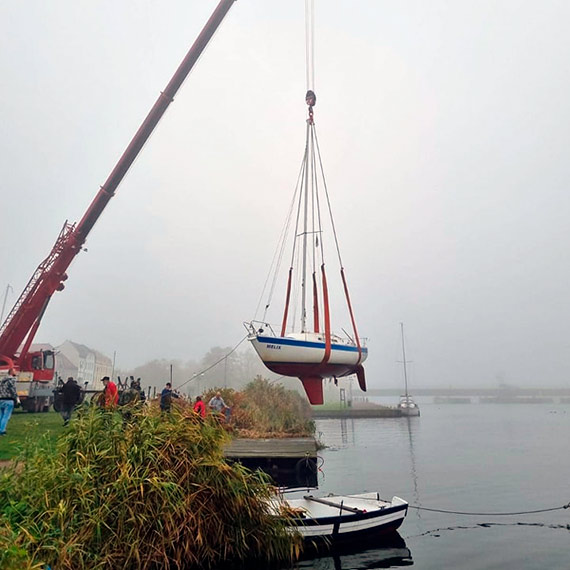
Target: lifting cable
[320, 162]
[277, 256]
[317, 162]
[309, 42]
[299, 193]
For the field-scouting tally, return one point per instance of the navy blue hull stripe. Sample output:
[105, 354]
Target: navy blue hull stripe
[308, 344]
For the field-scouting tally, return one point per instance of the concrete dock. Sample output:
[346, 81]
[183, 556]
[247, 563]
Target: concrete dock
[373, 412]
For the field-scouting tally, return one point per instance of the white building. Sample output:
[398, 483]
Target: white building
[86, 365]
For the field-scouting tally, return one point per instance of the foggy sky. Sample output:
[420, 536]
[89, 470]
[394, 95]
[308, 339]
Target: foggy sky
[443, 128]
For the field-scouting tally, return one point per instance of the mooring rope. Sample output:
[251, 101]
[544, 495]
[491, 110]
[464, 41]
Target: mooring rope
[417, 507]
[197, 374]
[470, 513]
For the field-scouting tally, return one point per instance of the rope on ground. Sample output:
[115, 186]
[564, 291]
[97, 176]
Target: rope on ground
[566, 506]
[212, 366]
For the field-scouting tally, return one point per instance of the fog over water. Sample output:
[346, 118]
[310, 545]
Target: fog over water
[443, 129]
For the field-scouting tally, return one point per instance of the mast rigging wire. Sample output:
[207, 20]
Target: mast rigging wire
[328, 200]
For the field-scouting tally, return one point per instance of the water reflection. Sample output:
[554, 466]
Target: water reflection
[344, 430]
[411, 423]
[385, 552]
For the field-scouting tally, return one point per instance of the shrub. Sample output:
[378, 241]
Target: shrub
[267, 409]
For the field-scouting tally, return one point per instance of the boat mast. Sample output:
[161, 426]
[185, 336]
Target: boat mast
[404, 361]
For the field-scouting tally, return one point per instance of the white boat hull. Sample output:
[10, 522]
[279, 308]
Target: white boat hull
[345, 518]
[299, 357]
[409, 412]
[408, 407]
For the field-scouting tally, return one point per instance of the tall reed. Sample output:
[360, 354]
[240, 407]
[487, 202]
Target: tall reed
[151, 493]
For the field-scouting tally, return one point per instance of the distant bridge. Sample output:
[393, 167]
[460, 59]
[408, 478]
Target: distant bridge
[465, 392]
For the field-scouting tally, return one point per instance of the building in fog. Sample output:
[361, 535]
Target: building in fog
[85, 364]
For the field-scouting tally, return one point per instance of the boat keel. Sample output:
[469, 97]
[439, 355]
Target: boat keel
[314, 388]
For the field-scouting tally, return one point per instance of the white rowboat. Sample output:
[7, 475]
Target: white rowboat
[337, 519]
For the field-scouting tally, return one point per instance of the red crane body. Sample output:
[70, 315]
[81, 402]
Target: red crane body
[18, 330]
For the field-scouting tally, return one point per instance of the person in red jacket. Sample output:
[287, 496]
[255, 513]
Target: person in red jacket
[110, 393]
[200, 407]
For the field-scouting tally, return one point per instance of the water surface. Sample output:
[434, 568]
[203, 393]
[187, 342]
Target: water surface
[484, 458]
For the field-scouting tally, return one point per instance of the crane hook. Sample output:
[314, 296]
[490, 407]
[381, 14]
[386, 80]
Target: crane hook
[311, 100]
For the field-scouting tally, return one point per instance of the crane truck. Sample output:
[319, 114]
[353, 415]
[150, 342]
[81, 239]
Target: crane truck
[35, 369]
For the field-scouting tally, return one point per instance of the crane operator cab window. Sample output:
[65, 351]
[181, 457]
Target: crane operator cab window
[43, 361]
[37, 361]
[49, 360]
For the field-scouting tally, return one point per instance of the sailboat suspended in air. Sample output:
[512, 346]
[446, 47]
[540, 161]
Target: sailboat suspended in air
[304, 344]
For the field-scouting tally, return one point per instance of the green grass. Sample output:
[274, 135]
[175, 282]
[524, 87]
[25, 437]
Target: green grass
[23, 425]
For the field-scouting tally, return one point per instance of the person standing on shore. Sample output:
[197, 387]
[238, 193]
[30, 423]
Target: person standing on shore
[110, 393]
[200, 407]
[219, 408]
[8, 399]
[166, 397]
[70, 397]
[217, 403]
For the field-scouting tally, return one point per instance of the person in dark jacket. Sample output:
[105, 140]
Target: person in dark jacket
[8, 399]
[132, 400]
[70, 397]
[166, 397]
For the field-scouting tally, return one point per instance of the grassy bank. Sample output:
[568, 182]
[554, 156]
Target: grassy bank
[23, 426]
[262, 409]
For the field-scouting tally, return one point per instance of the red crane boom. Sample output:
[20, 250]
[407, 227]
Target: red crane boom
[21, 324]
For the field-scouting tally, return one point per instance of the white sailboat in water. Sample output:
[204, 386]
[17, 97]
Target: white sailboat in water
[406, 405]
[304, 344]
